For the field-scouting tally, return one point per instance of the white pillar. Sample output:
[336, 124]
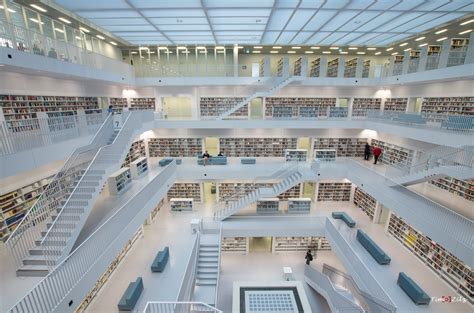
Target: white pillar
[423, 59]
[341, 66]
[444, 56]
[323, 66]
[391, 66]
[267, 66]
[360, 67]
[387, 222]
[377, 212]
[236, 60]
[304, 66]
[406, 62]
[286, 67]
[349, 107]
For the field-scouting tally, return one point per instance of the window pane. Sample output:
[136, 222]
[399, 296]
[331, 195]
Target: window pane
[33, 20]
[47, 26]
[16, 17]
[59, 31]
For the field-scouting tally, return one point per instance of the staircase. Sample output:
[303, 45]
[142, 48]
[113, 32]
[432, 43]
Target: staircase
[281, 84]
[291, 177]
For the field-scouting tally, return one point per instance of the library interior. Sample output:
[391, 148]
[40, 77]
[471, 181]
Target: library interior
[223, 156]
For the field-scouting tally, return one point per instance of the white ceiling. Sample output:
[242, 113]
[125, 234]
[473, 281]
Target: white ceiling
[311, 22]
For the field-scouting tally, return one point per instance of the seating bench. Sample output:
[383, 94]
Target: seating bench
[345, 217]
[377, 253]
[160, 260]
[217, 160]
[417, 295]
[179, 161]
[458, 122]
[164, 162]
[410, 118]
[248, 161]
[131, 295]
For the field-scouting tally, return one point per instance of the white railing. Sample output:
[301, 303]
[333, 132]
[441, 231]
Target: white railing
[179, 307]
[323, 285]
[59, 189]
[78, 273]
[187, 283]
[216, 295]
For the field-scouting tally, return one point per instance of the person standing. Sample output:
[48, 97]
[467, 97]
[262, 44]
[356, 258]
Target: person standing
[308, 257]
[377, 152]
[367, 152]
[110, 109]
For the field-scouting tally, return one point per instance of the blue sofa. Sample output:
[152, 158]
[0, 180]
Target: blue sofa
[375, 251]
[412, 289]
[459, 122]
[217, 160]
[345, 217]
[160, 260]
[131, 295]
[410, 118]
[164, 162]
[248, 161]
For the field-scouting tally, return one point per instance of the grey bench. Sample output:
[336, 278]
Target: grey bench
[410, 118]
[248, 161]
[345, 217]
[160, 260]
[164, 162]
[132, 294]
[416, 294]
[217, 160]
[459, 122]
[375, 251]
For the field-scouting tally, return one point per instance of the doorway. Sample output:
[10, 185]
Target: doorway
[211, 145]
[210, 194]
[256, 109]
[343, 102]
[309, 190]
[177, 108]
[260, 244]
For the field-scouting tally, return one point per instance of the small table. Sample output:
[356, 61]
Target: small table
[195, 225]
[287, 273]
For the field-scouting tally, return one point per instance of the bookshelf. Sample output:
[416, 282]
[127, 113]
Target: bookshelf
[334, 191]
[156, 209]
[279, 112]
[297, 67]
[394, 155]
[142, 104]
[325, 155]
[309, 112]
[299, 205]
[268, 205]
[396, 104]
[457, 52]
[398, 64]
[256, 147]
[119, 181]
[350, 67]
[461, 188]
[414, 61]
[137, 150]
[338, 112]
[315, 243]
[186, 190]
[234, 244]
[280, 67]
[299, 103]
[15, 204]
[175, 147]
[432, 60]
[181, 204]
[345, 147]
[361, 105]
[333, 66]
[458, 275]
[366, 202]
[296, 155]
[314, 69]
[215, 106]
[261, 68]
[447, 105]
[118, 104]
[366, 69]
[241, 189]
[139, 167]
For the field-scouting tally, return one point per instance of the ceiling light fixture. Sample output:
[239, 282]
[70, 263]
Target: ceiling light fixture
[441, 39]
[35, 20]
[273, 51]
[134, 52]
[291, 52]
[343, 52]
[421, 38]
[256, 51]
[201, 48]
[113, 43]
[151, 52]
[258, 47]
[407, 49]
[84, 29]
[377, 53]
[353, 48]
[334, 48]
[467, 22]
[361, 52]
[371, 49]
[37, 7]
[181, 48]
[395, 53]
[277, 47]
[465, 32]
[326, 52]
[240, 47]
[422, 45]
[295, 47]
[404, 44]
[389, 49]
[220, 47]
[8, 9]
[441, 31]
[309, 52]
[204, 51]
[315, 48]
[100, 37]
[59, 30]
[78, 38]
[62, 19]
[162, 48]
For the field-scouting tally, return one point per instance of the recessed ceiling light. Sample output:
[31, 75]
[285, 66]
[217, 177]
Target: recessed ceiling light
[377, 53]
[162, 48]
[181, 48]
[169, 52]
[422, 45]
[258, 47]
[151, 52]
[37, 7]
[59, 30]
[78, 38]
[291, 51]
[361, 52]
[315, 48]
[84, 29]
[220, 47]
[203, 51]
[295, 47]
[239, 47]
[334, 48]
[200, 47]
[395, 53]
[353, 48]
[465, 32]
[441, 39]
[309, 52]
[134, 52]
[421, 38]
[326, 52]
[143, 48]
[277, 47]
[256, 51]
[100, 37]
[441, 31]
[404, 44]
[35, 20]
[114, 43]
[371, 49]
[467, 22]
[343, 52]
[273, 51]
[2, 64]
[389, 49]
[407, 49]
[62, 19]
[8, 9]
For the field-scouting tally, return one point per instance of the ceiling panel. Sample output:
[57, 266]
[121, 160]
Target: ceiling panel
[119, 21]
[180, 20]
[359, 20]
[279, 19]
[285, 37]
[301, 37]
[317, 37]
[110, 14]
[320, 19]
[398, 21]
[299, 19]
[348, 38]
[340, 19]
[178, 13]
[333, 37]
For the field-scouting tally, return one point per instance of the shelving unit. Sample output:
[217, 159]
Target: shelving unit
[15, 204]
[118, 104]
[345, 147]
[334, 191]
[432, 61]
[314, 69]
[142, 104]
[366, 202]
[299, 205]
[186, 190]
[119, 181]
[137, 150]
[394, 155]
[296, 155]
[398, 64]
[234, 244]
[309, 112]
[175, 147]
[315, 243]
[139, 167]
[297, 67]
[280, 67]
[338, 112]
[361, 105]
[325, 155]
[256, 147]
[299, 103]
[215, 106]
[284, 112]
[366, 69]
[241, 189]
[447, 105]
[461, 188]
[333, 66]
[261, 68]
[396, 104]
[350, 68]
[458, 275]
[156, 209]
[268, 205]
[181, 204]
[457, 53]
[414, 61]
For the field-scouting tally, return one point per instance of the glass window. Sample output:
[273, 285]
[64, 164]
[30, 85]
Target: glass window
[59, 31]
[16, 15]
[47, 25]
[3, 16]
[33, 20]
[69, 34]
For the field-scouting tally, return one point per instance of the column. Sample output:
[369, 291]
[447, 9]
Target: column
[360, 67]
[266, 66]
[470, 50]
[377, 212]
[423, 59]
[349, 107]
[304, 66]
[387, 222]
[406, 62]
[286, 67]
[236, 60]
[341, 66]
[444, 56]
[391, 66]
[323, 66]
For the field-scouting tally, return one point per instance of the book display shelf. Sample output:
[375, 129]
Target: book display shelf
[325, 155]
[394, 155]
[142, 104]
[256, 147]
[461, 188]
[175, 147]
[139, 167]
[432, 60]
[280, 67]
[215, 106]
[396, 104]
[414, 61]
[361, 105]
[297, 67]
[458, 275]
[314, 243]
[181, 204]
[268, 205]
[350, 68]
[118, 104]
[366, 202]
[333, 67]
[241, 189]
[137, 150]
[398, 64]
[186, 190]
[235, 244]
[345, 147]
[314, 69]
[299, 103]
[334, 191]
[279, 112]
[299, 205]
[296, 155]
[447, 105]
[119, 181]
[457, 53]
[366, 69]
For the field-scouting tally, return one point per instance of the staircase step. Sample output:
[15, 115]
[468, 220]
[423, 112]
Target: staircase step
[39, 251]
[34, 260]
[207, 265]
[206, 283]
[208, 254]
[207, 270]
[57, 233]
[61, 225]
[207, 261]
[53, 243]
[66, 217]
[32, 271]
[206, 276]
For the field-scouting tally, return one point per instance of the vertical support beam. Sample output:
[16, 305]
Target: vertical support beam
[360, 67]
[391, 66]
[377, 212]
[423, 59]
[349, 107]
[304, 66]
[236, 60]
[81, 121]
[444, 56]
[323, 66]
[470, 50]
[286, 66]
[406, 62]
[341, 66]
[387, 222]
[267, 66]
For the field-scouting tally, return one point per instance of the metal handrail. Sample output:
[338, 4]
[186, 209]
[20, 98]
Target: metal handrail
[192, 260]
[216, 295]
[179, 307]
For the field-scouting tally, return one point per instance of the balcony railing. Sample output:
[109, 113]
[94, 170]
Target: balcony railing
[179, 307]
